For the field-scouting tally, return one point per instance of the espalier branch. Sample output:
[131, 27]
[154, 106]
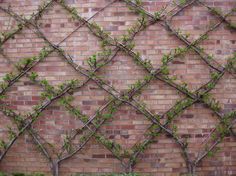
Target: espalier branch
[76, 139]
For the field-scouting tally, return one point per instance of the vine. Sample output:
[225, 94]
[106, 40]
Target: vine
[91, 125]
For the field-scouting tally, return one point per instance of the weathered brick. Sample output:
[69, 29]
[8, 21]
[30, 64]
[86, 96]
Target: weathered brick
[163, 157]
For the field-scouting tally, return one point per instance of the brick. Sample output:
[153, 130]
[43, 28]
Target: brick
[163, 157]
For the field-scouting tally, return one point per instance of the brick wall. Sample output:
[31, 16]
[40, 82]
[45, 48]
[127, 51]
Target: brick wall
[127, 127]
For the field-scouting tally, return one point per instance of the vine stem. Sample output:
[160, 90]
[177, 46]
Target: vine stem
[117, 96]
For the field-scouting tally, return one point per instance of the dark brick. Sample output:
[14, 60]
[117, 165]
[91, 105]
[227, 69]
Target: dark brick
[98, 156]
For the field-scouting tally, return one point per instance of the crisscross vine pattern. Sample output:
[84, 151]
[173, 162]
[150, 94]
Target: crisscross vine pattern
[118, 86]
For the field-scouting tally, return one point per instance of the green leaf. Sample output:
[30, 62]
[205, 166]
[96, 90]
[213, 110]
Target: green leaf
[67, 144]
[107, 116]
[92, 61]
[182, 2]
[210, 154]
[216, 11]
[33, 76]
[2, 97]
[3, 145]
[157, 15]
[11, 133]
[164, 70]
[138, 2]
